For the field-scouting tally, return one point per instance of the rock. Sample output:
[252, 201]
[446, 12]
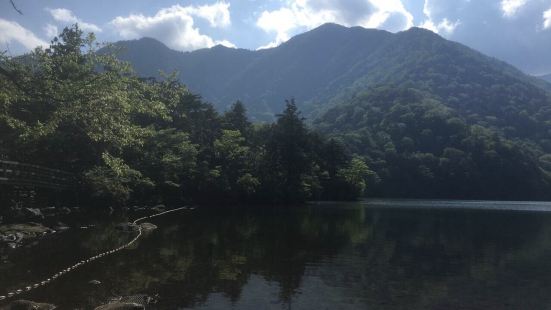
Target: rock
[94, 282]
[33, 214]
[159, 208]
[61, 226]
[15, 234]
[121, 306]
[8, 238]
[141, 299]
[127, 227]
[27, 305]
[148, 226]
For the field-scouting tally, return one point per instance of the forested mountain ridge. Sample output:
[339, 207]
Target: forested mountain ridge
[128, 139]
[546, 77]
[420, 147]
[432, 117]
[330, 63]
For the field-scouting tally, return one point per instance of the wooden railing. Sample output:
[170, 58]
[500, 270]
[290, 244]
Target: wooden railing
[33, 176]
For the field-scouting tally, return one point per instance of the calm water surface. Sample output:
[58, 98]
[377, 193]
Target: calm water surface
[377, 254]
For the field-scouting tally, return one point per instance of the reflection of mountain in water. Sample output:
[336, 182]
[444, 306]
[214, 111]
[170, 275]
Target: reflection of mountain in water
[348, 256]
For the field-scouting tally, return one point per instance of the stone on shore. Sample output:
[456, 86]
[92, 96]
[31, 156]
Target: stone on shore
[15, 234]
[121, 306]
[27, 305]
[148, 226]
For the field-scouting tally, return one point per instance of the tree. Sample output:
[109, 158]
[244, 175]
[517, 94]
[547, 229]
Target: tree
[236, 119]
[288, 152]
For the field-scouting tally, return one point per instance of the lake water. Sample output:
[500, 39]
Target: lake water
[378, 254]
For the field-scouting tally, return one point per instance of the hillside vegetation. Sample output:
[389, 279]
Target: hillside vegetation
[134, 140]
[430, 117]
[421, 147]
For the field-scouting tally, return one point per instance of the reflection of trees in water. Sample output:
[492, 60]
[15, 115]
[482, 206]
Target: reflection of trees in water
[386, 259]
[218, 251]
[439, 260]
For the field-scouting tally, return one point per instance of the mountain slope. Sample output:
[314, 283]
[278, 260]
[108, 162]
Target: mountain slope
[432, 117]
[546, 77]
[422, 148]
[331, 63]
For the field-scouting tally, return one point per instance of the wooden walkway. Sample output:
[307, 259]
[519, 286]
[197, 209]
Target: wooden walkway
[33, 176]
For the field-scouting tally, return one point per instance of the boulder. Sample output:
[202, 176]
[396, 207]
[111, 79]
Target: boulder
[27, 305]
[61, 226]
[148, 227]
[121, 306]
[15, 234]
[159, 208]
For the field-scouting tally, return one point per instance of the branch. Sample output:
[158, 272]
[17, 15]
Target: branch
[15, 7]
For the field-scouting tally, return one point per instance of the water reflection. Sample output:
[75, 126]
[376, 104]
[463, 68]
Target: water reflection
[329, 256]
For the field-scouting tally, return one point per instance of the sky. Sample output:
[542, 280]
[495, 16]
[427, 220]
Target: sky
[516, 31]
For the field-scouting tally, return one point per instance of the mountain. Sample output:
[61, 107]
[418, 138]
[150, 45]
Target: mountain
[311, 67]
[432, 117]
[546, 77]
[329, 64]
[421, 147]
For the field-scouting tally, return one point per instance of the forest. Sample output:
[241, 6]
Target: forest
[77, 107]
[137, 140]
[421, 148]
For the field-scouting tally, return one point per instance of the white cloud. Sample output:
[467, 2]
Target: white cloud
[13, 32]
[66, 16]
[226, 43]
[511, 7]
[547, 19]
[308, 14]
[175, 25]
[443, 26]
[51, 30]
[218, 14]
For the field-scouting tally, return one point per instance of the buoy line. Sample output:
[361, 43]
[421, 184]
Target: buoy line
[89, 260]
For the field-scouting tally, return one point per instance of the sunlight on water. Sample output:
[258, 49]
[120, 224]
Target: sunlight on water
[543, 206]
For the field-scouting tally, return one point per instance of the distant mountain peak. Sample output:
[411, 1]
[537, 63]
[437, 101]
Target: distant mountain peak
[330, 26]
[328, 64]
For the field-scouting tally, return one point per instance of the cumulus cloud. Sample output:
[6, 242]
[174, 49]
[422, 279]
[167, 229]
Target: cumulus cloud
[443, 27]
[432, 23]
[307, 14]
[511, 7]
[547, 19]
[521, 39]
[226, 43]
[66, 16]
[51, 30]
[175, 25]
[218, 14]
[13, 32]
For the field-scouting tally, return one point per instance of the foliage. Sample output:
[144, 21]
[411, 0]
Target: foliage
[419, 147]
[131, 139]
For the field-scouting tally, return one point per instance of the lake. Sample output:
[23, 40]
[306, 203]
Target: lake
[375, 254]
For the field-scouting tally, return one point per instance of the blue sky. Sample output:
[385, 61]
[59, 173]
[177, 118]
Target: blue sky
[517, 31]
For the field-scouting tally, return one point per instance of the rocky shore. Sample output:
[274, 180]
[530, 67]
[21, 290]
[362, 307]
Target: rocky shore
[133, 302]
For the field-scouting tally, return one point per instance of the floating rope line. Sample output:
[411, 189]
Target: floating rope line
[89, 260]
